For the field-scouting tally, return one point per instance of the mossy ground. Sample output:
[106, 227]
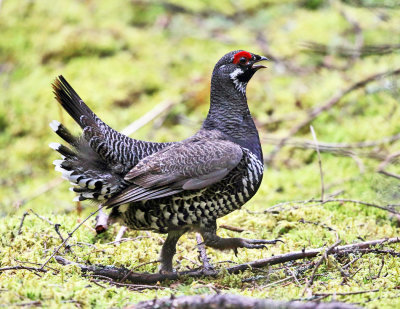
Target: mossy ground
[125, 57]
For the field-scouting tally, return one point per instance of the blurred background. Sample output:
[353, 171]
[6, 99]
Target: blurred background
[153, 59]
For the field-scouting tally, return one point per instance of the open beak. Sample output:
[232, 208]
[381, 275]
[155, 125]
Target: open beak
[260, 66]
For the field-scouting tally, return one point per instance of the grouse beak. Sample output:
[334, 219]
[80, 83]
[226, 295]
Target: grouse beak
[260, 66]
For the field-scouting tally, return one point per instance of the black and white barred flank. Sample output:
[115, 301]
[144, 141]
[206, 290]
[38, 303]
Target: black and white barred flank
[195, 208]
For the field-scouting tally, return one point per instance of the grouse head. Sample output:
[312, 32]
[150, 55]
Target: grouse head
[237, 68]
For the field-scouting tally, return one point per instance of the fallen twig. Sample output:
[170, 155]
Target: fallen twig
[318, 224]
[388, 159]
[56, 225]
[316, 111]
[321, 172]
[343, 51]
[57, 228]
[41, 217]
[325, 146]
[203, 255]
[149, 116]
[120, 234]
[231, 228]
[32, 263]
[38, 192]
[35, 270]
[273, 208]
[35, 303]
[118, 274]
[225, 301]
[69, 236]
[118, 241]
[346, 293]
[324, 257]
[22, 222]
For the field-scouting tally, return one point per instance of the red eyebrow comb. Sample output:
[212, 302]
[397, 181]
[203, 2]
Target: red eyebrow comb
[241, 54]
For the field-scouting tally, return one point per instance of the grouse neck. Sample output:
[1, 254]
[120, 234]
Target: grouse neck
[230, 114]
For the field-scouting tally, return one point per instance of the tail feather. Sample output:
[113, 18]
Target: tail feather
[63, 150]
[98, 160]
[71, 101]
[89, 177]
[63, 132]
[100, 137]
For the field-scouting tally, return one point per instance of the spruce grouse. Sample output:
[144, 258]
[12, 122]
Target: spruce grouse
[171, 187]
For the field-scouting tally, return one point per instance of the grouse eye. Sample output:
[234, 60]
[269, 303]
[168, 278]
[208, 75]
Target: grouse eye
[243, 60]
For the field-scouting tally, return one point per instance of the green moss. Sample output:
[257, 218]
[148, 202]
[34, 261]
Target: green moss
[124, 58]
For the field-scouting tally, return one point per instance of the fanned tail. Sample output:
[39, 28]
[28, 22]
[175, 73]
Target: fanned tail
[92, 173]
[97, 161]
[89, 176]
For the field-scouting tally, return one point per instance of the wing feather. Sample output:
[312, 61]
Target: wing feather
[193, 164]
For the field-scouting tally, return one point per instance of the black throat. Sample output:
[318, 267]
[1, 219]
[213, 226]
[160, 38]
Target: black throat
[230, 114]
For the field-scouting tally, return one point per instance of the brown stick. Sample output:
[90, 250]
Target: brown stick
[145, 278]
[22, 222]
[273, 208]
[324, 257]
[149, 116]
[346, 293]
[42, 218]
[225, 301]
[324, 146]
[203, 254]
[315, 112]
[321, 172]
[231, 228]
[388, 159]
[69, 236]
[43, 189]
[34, 269]
[120, 234]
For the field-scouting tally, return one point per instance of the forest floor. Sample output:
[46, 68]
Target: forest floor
[334, 65]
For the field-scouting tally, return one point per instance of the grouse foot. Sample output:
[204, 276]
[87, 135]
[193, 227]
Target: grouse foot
[211, 239]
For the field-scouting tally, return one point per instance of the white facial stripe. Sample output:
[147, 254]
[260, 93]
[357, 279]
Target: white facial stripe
[235, 73]
[240, 86]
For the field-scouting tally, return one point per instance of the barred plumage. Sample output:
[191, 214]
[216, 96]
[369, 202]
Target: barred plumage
[170, 187]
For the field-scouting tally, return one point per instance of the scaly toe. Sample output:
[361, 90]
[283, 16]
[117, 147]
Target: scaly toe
[263, 241]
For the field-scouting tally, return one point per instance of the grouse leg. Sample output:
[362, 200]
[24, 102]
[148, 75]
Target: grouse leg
[211, 239]
[168, 250]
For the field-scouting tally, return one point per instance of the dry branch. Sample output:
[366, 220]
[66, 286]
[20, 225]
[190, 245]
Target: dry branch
[203, 255]
[321, 260]
[381, 168]
[34, 269]
[316, 111]
[344, 51]
[275, 208]
[69, 236]
[117, 274]
[225, 301]
[120, 234]
[148, 117]
[22, 222]
[346, 293]
[321, 172]
[342, 149]
[231, 228]
[38, 192]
